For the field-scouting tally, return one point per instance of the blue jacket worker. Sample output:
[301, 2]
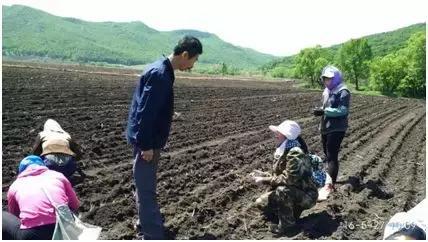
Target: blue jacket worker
[149, 124]
[334, 119]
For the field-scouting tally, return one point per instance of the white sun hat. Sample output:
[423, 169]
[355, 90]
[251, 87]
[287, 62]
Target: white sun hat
[288, 128]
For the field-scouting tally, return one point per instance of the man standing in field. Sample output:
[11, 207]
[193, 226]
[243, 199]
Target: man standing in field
[149, 124]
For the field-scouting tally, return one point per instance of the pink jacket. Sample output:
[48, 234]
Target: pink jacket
[27, 200]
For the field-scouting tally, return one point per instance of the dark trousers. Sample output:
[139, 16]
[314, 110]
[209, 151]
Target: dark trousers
[11, 229]
[145, 178]
[331, 146]
[66, 164]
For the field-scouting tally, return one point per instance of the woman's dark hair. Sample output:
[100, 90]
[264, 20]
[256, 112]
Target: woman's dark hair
[190, 44]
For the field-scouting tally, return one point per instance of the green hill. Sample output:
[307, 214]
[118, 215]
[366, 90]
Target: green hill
[31, 32]
[381, 45]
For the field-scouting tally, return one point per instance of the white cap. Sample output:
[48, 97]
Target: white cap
[328, 71]
[288, 128]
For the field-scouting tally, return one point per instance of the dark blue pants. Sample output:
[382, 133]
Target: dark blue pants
[148, 209]
[66, 164]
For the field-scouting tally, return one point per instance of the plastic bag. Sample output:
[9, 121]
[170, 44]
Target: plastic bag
[70, 227]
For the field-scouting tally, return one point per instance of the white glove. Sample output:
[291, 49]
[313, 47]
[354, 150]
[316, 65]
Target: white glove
[259, 179]
[260, 173]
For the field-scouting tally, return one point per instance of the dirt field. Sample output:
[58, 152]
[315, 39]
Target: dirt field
[221, 137]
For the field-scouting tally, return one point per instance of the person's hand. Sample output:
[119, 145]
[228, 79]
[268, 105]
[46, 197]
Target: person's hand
[147, 155]
[260, 173]
[318, 111]
[260, 179]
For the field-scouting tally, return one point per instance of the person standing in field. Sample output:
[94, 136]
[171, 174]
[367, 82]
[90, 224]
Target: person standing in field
[148, 128]
[334, 120]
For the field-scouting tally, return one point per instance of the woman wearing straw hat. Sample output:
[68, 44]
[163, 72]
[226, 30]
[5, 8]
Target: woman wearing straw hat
[57, 149]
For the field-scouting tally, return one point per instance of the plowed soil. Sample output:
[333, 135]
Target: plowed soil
[220, 137]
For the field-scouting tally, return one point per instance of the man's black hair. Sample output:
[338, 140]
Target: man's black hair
[190, 44]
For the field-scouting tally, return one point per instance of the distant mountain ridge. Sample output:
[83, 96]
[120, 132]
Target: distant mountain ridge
[31, 32]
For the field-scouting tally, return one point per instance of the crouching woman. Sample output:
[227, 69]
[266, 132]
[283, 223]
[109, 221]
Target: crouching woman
[57, 149]
[292, 187]
[31, 214]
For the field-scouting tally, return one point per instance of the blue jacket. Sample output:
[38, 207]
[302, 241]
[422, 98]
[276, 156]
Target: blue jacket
[150, 114]
[336, 111]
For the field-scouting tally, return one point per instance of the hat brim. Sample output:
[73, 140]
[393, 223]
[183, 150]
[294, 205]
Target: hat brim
[328, 76]
[274, 129]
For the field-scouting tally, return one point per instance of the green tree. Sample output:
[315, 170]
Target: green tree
[354, 58]
[386, 73]
[414, 83]
[402, 72]
[279, 71]
[224, 70]
[320, 63]
[306, 67]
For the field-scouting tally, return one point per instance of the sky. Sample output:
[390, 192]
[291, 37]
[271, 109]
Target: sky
[277, 27]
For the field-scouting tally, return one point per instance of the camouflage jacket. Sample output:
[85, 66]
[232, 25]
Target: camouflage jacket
[294, 169]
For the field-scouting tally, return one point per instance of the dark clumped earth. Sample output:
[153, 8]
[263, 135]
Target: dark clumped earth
[219, 137]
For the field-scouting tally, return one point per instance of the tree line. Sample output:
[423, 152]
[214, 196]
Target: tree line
[399, 73]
